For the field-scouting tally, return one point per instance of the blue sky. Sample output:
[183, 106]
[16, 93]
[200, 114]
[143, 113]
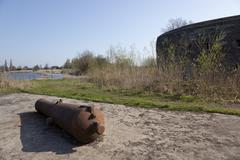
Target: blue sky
[50, 31]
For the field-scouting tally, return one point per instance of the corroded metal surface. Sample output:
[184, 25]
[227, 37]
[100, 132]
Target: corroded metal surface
[83, 122]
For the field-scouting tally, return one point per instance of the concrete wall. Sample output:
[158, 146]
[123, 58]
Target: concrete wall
[184, 39]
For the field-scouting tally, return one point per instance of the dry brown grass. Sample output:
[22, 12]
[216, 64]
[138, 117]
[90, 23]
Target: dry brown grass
[225, 86]
[221, 87]
[7, 85]
[126, 78]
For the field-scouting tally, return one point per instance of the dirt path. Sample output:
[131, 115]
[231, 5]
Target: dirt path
[131, 133]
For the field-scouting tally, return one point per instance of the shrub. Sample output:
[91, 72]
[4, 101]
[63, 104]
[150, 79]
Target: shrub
[82, 63]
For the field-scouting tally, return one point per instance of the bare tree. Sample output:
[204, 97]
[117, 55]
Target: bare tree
[10, 65]
[46, 66]
[176, 23]
[5, 65]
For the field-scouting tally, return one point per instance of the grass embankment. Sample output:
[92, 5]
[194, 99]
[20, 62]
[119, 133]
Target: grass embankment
[79, 89]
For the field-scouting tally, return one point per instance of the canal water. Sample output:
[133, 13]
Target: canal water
[31, 75]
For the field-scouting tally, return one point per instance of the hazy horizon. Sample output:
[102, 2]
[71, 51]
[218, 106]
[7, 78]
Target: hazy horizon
[49, 32]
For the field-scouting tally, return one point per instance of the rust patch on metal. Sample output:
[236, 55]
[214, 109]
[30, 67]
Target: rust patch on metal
[84, 122]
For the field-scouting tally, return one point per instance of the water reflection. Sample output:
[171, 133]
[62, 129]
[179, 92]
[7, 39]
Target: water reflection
[31, 75]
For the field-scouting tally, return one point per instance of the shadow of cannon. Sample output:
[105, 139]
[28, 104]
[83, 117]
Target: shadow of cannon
[37, 136]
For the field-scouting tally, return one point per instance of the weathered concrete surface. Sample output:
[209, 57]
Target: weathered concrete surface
[185, 39]
[131, 133]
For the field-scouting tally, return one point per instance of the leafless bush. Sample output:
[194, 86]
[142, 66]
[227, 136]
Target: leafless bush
[175, 23]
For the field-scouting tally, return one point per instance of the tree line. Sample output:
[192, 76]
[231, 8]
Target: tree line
[6, 67]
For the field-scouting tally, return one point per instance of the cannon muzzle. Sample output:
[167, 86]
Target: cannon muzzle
[83, 122]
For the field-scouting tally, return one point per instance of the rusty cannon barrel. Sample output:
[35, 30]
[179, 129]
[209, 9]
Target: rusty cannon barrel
[83, 122]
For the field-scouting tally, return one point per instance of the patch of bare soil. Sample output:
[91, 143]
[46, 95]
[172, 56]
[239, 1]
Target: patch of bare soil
[131, 133]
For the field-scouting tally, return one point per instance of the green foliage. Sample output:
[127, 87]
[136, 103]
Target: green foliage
[167, 56]
[82, 63]
[211, 58]
[197, 67]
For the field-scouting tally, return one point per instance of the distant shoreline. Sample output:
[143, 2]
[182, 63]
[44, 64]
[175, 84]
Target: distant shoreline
[44, 72]
[53, 71]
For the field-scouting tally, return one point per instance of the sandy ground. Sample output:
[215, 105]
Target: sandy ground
[131, 133]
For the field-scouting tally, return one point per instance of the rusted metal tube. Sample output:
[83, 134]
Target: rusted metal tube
[83, 122]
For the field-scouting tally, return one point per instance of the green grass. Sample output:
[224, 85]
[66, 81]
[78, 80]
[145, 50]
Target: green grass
[9, 90]
[78, 89]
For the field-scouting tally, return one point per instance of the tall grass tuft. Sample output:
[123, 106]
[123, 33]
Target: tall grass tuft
[7, 85]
